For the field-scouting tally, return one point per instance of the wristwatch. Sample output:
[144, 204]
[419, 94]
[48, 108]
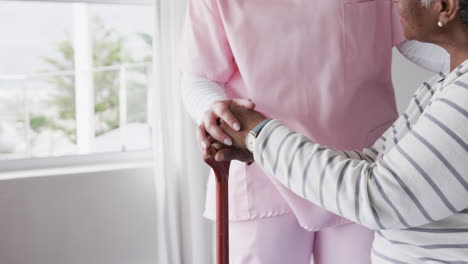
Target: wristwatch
[253, 134]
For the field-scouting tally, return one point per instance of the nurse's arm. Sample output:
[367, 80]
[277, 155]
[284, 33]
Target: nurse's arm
[206, 102]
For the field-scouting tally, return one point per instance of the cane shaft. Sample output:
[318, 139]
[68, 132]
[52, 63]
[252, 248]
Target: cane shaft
[222, 217]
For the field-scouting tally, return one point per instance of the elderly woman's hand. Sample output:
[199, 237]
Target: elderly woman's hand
[220, 152]
[248, 119]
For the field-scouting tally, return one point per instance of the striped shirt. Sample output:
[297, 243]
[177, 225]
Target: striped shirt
[411, 185]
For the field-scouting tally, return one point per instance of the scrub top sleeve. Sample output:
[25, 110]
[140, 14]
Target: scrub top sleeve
[204, 47]
[397, 29]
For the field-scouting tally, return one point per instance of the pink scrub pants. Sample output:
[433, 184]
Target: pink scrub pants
[281, 240]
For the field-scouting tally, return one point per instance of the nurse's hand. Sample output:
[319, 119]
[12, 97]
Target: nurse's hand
[220, 112]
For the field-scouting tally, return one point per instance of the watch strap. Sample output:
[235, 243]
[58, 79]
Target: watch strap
[256, 130]
[253, 134]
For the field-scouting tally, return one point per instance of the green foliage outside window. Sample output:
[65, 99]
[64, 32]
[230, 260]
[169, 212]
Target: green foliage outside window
[108, 49]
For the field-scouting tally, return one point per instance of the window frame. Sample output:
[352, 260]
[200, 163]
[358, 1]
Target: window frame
[65, 165]
[80, 163]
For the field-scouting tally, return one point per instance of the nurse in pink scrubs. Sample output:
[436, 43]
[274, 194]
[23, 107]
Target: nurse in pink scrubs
[294, 58]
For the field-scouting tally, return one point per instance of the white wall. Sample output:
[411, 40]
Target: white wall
[407, 77]
[94, 218]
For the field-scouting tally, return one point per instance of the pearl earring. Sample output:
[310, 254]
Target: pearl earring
[440, 24]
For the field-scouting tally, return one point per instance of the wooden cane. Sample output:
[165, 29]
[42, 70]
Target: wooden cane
[221, 170]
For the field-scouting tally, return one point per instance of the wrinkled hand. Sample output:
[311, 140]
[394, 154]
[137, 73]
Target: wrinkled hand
[248, 119]
[221, 166]
[220, 110]
[220, 152]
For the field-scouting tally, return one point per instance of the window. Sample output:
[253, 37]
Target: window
[74, 77]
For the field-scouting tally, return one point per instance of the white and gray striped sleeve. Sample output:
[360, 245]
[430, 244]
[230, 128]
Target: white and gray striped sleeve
[421, 94]
[421, 180]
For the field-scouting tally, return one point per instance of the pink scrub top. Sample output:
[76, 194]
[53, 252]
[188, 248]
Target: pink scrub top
[321, 66]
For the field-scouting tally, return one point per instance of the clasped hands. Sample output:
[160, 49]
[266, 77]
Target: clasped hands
[224, 128]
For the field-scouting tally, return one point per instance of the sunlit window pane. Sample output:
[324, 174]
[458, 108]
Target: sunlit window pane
[41, 78]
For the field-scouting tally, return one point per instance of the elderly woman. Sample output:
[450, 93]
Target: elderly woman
[412, 184]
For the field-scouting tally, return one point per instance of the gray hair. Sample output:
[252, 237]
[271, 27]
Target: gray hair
[426, 3]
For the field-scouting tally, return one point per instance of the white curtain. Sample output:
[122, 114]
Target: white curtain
[184, 236]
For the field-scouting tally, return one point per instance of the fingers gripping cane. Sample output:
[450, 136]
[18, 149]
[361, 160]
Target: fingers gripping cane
[221, 170]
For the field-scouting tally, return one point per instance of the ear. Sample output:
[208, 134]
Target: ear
[448, 10]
